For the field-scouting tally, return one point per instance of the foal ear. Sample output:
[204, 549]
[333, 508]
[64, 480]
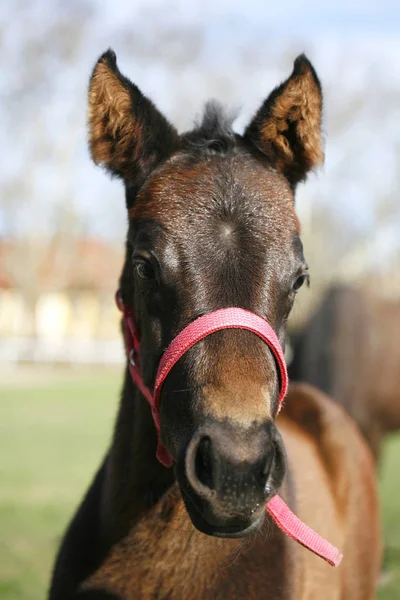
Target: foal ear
[287, 127]
[127, 134]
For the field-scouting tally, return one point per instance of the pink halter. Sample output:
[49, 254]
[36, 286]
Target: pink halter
[224, 318]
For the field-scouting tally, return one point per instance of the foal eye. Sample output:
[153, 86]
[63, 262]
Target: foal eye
[144, 271]
[301, 279]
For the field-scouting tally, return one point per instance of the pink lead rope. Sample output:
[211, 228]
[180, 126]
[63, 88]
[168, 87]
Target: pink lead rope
[225, 318]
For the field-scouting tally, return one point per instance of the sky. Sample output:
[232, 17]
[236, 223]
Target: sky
[180, 53]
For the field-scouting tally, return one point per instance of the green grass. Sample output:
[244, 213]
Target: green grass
[52, 437]
[390, 508]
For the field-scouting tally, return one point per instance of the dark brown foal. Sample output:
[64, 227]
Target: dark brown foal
[212, 225]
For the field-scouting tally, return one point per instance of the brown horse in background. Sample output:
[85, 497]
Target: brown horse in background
[349, 348]
[212, 225]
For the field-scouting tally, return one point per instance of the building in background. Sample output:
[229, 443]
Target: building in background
[71, 315]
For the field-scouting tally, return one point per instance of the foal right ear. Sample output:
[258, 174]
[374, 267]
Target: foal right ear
[127, 134]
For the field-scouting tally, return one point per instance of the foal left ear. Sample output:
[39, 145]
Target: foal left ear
[287, 127]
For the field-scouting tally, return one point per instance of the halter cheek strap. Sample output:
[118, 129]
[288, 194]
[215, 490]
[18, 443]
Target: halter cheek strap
[225, 318]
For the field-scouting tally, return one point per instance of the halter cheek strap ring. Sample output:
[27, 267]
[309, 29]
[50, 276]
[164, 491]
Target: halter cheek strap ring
[225, 318]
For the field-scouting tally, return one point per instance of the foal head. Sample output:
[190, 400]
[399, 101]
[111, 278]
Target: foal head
[212, 225]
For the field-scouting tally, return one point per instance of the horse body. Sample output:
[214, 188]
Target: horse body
[212, 225]
[348, 348]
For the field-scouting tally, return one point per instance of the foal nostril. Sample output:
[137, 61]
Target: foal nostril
[268, 463]
[267, 470]
[203, 463]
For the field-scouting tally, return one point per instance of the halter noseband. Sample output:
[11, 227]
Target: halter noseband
[224, 318]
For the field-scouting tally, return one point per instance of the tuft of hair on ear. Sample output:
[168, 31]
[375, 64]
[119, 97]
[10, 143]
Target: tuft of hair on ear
[128, 136]
[287, 127]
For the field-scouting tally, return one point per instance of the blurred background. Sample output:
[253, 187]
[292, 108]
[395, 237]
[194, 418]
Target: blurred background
[63, 223]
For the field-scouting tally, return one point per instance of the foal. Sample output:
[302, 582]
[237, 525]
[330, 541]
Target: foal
[212, 225]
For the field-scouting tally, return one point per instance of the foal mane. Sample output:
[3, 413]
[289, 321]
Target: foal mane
[214, 133]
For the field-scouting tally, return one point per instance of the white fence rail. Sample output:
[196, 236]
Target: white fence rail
[68, 351]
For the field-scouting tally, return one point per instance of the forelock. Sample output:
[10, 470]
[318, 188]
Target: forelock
[214, 133]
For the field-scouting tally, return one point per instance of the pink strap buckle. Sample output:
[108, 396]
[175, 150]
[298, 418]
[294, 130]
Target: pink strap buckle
[225, 318]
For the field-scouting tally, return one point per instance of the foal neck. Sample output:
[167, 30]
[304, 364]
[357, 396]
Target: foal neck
[134, 479]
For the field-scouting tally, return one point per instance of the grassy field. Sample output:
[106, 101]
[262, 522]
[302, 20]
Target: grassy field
[53, 432]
